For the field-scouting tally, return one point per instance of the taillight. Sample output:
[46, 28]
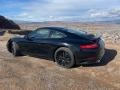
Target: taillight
[89, 46]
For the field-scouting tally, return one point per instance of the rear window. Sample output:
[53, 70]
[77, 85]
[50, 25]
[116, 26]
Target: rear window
[77, 32]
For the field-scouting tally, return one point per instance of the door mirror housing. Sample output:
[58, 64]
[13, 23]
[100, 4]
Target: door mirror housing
[29, 36]
[26, 37]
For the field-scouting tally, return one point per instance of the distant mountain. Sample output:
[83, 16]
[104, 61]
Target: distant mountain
[21, 21]
[7, 24]
[112, 21]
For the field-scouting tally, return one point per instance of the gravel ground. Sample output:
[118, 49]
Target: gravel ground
[30, 73]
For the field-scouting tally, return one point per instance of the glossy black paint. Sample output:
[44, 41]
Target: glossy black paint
[47, 46]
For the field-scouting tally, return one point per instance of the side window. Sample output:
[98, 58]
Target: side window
[44, 33]
[57, 34]
[41, 33]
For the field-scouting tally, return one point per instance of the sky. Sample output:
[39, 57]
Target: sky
[60, 10]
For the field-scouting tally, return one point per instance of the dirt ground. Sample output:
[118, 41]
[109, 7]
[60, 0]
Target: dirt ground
[30, 73]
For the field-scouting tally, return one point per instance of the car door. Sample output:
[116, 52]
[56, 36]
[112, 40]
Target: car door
[37, 42]
[48, 45]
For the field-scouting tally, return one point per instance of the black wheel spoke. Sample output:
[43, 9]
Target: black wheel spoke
[67, 60]
[63, 62]
[63, 58]
[63, 53]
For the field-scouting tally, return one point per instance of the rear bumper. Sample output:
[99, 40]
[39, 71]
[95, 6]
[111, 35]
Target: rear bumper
[90, 56]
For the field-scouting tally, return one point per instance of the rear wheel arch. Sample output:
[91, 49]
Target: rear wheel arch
[57, 49]
[67, 49]
[63, 47]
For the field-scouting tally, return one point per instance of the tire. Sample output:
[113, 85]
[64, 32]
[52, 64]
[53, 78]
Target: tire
[64, 57]
[14, 49]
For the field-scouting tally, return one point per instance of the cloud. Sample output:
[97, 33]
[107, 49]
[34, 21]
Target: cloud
[57, 9]
[54, 10]
[100, 14]
[24, 16]
[112, 13]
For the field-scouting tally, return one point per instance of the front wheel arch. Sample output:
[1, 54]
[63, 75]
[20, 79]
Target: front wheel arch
[9, 46]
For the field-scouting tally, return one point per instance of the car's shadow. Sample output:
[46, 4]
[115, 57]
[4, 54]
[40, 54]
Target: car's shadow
[108, 57]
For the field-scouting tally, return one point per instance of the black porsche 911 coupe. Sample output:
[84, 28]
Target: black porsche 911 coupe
[66, 46]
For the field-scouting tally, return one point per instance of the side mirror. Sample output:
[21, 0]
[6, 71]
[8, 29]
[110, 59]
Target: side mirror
[27, 37]
[30, 36]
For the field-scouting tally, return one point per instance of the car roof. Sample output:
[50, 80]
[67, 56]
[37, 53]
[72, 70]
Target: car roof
[57, 28]
[67, 30]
